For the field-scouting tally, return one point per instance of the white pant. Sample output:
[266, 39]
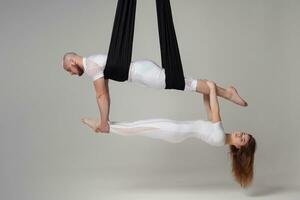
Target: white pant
[149, 74]
[173, 131]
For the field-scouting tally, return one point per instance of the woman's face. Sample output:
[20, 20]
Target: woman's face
[239, 138]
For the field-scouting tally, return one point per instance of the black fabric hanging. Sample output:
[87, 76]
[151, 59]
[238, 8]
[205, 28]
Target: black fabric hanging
[120, 50]
[170, 56]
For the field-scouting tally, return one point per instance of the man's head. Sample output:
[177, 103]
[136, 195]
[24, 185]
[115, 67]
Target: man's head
[72, 63]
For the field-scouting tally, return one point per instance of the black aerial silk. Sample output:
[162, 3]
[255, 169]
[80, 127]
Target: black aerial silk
[120, 49]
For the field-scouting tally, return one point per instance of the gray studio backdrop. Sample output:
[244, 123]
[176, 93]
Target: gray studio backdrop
[47, 153]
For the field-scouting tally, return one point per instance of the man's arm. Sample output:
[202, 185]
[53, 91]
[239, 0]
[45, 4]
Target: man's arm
[102, 97]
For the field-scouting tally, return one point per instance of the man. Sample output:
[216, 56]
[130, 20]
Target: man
[144, 72]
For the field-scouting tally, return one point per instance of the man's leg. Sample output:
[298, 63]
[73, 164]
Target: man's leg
[230, 93]
[149, 74]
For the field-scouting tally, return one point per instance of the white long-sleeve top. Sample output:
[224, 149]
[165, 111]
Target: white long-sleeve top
[172, 130]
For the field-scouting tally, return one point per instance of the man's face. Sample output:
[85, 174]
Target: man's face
[71, 67]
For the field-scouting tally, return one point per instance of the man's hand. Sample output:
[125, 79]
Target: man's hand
[96, 126]
[103, 127]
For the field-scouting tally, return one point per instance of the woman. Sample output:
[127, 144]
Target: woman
[242, 145]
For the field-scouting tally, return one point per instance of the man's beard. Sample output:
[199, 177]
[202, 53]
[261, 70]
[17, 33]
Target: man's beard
[80, 71]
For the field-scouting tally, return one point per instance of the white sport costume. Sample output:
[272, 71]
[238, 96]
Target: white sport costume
[144, 72]
[172, 131]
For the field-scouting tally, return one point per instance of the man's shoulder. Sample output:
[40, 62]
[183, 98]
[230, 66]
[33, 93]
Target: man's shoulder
[97, 56]
[99, 59]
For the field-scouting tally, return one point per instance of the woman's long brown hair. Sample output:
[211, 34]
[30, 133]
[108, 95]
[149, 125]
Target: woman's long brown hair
[243, 161]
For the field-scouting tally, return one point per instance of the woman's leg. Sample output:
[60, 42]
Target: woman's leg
[93, 124]
[230, 93]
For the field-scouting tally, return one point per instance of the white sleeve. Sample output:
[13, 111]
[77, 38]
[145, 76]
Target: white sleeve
[93, 69]
[218, 136]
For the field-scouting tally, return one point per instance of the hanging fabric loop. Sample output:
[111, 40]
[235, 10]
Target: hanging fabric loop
[170, 56]
[120, 49]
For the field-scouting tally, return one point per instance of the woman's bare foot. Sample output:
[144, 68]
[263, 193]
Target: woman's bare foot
[91, 123]
[235, 97]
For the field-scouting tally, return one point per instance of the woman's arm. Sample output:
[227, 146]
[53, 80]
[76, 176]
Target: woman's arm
[213, 100]
[207, 106]
[107, 89]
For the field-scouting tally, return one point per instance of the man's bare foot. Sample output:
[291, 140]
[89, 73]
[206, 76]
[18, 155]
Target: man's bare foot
[91, 123]
[235, 97]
